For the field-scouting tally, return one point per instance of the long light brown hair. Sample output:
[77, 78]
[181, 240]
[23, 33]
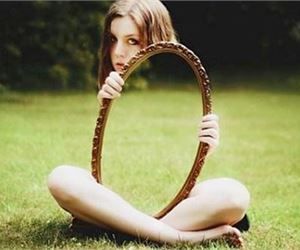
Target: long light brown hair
[153, 22]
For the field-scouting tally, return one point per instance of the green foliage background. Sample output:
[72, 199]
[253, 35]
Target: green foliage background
[50, 45]
[54, 44]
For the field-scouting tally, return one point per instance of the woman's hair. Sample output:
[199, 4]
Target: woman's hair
[153, 22]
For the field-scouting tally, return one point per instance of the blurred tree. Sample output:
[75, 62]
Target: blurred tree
[55, 45]
[50, 45]
[260, 34]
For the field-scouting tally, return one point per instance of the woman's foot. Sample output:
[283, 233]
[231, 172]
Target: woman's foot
[229, 234]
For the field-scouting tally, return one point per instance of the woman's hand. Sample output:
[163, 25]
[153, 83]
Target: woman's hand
[112, 87]
[209, 131]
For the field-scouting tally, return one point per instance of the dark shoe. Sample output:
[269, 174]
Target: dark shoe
[243, 225]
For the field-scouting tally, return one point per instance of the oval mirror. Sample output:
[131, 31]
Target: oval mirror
[151, 169]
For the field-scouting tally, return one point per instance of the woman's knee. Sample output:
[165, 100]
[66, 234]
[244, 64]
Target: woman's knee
[229, 196]
[234, 192]
[238, 195]
[62, 183]
[236, 198]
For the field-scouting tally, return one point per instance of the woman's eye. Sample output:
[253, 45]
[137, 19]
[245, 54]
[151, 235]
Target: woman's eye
[132, 41]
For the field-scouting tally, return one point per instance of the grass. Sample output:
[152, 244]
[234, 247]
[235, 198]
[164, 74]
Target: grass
[153, 134]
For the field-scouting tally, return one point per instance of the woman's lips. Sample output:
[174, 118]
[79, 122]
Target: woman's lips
[119, 66]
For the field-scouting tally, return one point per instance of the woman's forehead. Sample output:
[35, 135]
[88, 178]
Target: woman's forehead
[124, 26]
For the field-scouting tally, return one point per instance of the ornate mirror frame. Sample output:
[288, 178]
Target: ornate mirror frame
[203, 82]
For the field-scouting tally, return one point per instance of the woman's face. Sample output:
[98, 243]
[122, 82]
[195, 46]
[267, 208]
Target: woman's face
[125, 41]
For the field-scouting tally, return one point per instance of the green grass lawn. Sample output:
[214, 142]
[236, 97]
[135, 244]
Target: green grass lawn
[149, 131]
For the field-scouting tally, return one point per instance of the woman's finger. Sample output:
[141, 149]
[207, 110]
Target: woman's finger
[213, 133]
[209, 124]
[115, 75]
[210, 117]
[210, 141]
[113, 83]
[103, 94]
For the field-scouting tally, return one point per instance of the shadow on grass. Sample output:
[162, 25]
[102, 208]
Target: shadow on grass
[27, 233]
[56, 233]
[39, 233]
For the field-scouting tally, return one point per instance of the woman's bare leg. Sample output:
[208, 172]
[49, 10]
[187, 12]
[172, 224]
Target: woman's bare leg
[212, 203]
[77, 191]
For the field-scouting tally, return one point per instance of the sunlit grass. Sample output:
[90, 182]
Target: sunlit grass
[260, 145]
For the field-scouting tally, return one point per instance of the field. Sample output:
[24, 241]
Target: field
[260, 146]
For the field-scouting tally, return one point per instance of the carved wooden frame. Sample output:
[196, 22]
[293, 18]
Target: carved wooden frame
[203, 81]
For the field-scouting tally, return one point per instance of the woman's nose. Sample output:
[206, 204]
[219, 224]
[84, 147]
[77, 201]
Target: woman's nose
[119, 50]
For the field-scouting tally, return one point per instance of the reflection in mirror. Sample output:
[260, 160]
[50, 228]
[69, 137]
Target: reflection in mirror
[151, 139]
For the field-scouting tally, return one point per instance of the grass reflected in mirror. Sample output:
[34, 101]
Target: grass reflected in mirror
[153, 139]
[146, 136]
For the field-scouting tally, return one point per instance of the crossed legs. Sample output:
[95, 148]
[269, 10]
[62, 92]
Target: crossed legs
[207, 213]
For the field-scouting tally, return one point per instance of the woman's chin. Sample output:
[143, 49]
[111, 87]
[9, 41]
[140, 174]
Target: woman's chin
[118, 69]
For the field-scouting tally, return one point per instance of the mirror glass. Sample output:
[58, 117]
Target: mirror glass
[150, 140]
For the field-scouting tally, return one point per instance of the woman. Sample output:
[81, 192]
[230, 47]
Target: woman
[212, 206]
